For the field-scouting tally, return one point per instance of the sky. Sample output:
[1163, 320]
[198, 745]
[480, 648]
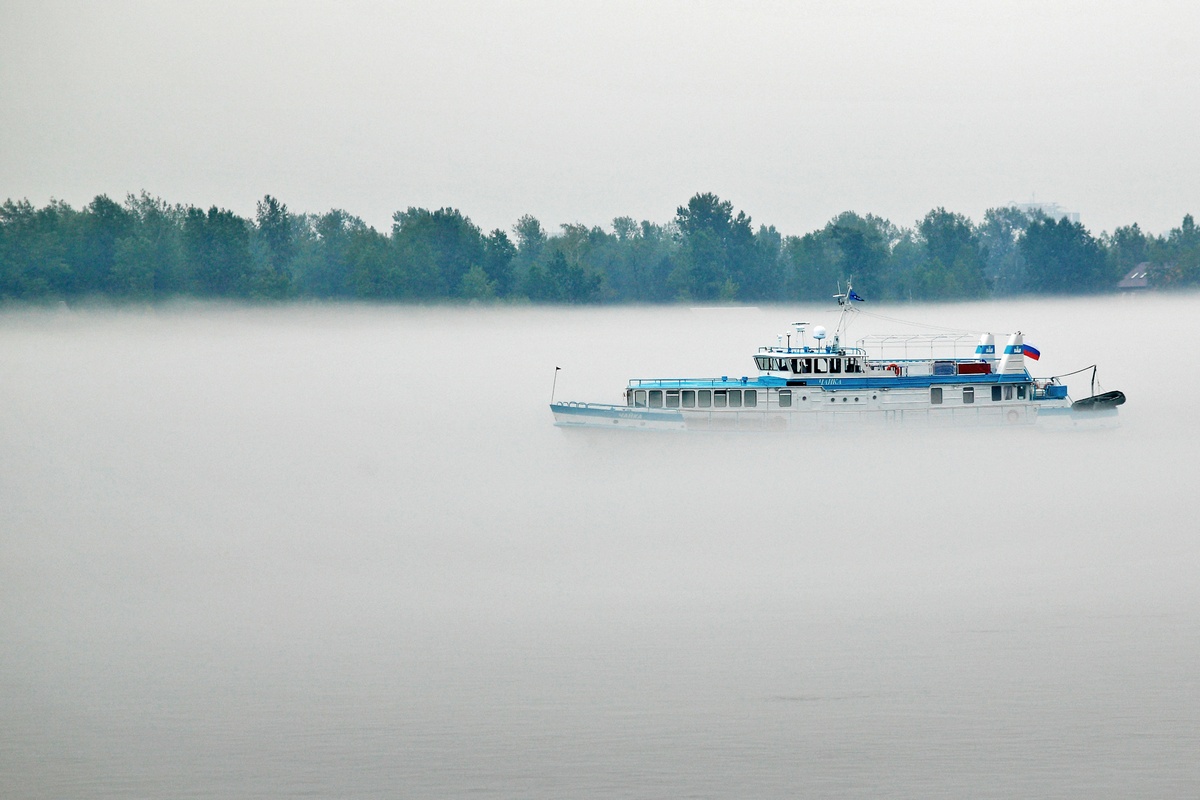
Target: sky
[579, 112]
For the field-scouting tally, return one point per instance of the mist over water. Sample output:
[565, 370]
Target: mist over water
[343, 551]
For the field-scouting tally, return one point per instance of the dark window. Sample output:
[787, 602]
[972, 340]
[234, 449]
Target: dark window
[935, 395]
[785, 398]
[705, 398]
[672, 399]
[995, 393]
[822, 366]
[629, 397]
[720, 398]
[750, 398]
[639, 398]
[1021, 392]
[1008, 393]
[735, 398]
[969, 394]
[689, 398]
[835, 365]
[656, 398]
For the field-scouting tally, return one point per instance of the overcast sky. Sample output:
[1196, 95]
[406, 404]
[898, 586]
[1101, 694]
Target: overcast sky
[580, 112]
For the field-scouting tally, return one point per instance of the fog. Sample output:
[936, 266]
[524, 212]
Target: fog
[582, 112]
[343, 551]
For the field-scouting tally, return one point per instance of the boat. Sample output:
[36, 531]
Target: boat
[924, 379]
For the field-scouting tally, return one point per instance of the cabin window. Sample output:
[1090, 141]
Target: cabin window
[785, 398]
[720, 398]
[629, 397]
[639, 398]
[656, 398]
[735, 398]
[673, 399]
[704, 398]
[1021, 392]
[995, 393]
[750, 398]
[835, 365]
[689, 398]
[764, 362]
[822, 366]
[969, 394]
[935, 395]
[1008, 393]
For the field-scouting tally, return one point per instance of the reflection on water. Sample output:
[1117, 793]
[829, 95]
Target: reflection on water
[343, 551]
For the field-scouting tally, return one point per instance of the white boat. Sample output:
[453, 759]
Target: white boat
[938, 379]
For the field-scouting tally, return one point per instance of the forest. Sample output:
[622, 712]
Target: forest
[146, 249]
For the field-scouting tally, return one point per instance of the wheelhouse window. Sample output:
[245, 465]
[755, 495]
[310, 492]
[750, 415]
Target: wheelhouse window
[935, 395]
[765, 363]
[835, 366]
[673, 399]
[1008, 393]
[720, 398]
[704, 398]
[785, 398]
[656, 398]
[750, 398]
[968, 394]
[996, 390]
[1021, 392]
[821, 366]
[689, 398]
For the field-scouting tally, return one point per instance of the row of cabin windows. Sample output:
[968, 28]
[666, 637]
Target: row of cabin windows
[809, 365]
[694, 398]
[968, 394]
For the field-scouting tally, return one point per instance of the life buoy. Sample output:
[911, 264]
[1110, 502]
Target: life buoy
[894, 368]
[1013, 416]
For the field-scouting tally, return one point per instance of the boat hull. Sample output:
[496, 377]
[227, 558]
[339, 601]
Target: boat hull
[615, 417]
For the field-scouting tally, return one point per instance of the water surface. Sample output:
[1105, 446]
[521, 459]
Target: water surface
[342, 551]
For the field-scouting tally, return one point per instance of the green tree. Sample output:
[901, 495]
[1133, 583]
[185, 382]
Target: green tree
[1062, 257]
[33, 257]
[717, 255]
[999, 235]
[276, 231]
[434, 250]
[93, 249]
[498, 255]
[217, 251]
[954, 262]
[149, 262]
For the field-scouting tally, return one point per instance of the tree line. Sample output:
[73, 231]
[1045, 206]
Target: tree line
[147, 249]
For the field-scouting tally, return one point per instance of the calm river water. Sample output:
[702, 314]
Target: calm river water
[343, 552]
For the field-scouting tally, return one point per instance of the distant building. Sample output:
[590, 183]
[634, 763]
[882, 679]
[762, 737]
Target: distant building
[1052, 210]
[1138, 278]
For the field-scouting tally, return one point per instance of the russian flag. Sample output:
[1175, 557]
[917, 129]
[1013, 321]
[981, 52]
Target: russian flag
[1031, 351]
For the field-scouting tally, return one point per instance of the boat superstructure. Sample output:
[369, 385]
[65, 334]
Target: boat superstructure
[930, 379]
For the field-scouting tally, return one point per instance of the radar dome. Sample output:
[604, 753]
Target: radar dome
[819, 332]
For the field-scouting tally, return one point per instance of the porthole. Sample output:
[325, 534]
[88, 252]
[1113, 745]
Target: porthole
[856, 399]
